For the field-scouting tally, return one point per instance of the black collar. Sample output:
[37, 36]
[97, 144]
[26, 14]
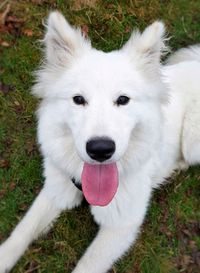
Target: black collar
[76, 183]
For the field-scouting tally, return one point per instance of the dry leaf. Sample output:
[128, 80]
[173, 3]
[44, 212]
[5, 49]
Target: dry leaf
[192, 244]
[12, 186]
[4, 15]
[185, 260]
[14, 19]
[4, 164]
[4, 44]
[28, 32]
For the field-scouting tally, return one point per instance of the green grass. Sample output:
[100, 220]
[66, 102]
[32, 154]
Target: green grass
[170, 232]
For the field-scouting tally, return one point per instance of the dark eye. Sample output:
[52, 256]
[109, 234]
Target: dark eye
[122, 100]
[79, 100]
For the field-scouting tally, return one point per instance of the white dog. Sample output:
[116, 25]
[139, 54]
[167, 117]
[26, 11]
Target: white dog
[116, 124]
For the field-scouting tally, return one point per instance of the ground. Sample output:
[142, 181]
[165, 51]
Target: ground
[169, 241]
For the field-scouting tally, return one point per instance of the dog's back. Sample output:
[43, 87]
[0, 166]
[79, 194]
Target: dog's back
[184, 77]
[191, 53]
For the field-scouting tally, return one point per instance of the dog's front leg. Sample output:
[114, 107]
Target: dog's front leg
[58, 194]
[40, 215]
[106, 248]
[119, 225]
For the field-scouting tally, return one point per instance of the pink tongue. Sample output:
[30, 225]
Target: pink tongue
[99, 183]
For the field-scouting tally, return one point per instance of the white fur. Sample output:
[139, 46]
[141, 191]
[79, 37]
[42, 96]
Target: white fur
[155, 133]
[185, 54]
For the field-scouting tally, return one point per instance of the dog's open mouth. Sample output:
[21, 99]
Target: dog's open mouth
[99, 183]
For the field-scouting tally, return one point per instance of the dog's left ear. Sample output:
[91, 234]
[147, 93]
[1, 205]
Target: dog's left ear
[145, 48]
[63, 42]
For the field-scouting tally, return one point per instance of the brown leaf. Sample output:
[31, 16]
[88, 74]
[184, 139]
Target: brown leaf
[127, 30]
[12, 186]
[28, 32]
[4, 44]
[4, 14]
[4, 163]
[14, 19]
[185, 260]
[12, 25]
[192, 244]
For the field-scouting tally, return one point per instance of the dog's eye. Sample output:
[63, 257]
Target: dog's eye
[79, 100]
[122, 100]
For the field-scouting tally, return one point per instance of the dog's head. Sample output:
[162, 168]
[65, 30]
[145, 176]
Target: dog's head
[99, 108]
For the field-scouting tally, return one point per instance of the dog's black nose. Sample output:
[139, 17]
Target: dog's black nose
[100, 149]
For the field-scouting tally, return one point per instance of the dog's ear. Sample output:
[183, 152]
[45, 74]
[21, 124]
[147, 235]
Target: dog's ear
[63, 42]
[145, 48]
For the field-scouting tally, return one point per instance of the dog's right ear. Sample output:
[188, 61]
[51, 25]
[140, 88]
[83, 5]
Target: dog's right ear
[147, 47]
[63, 42]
